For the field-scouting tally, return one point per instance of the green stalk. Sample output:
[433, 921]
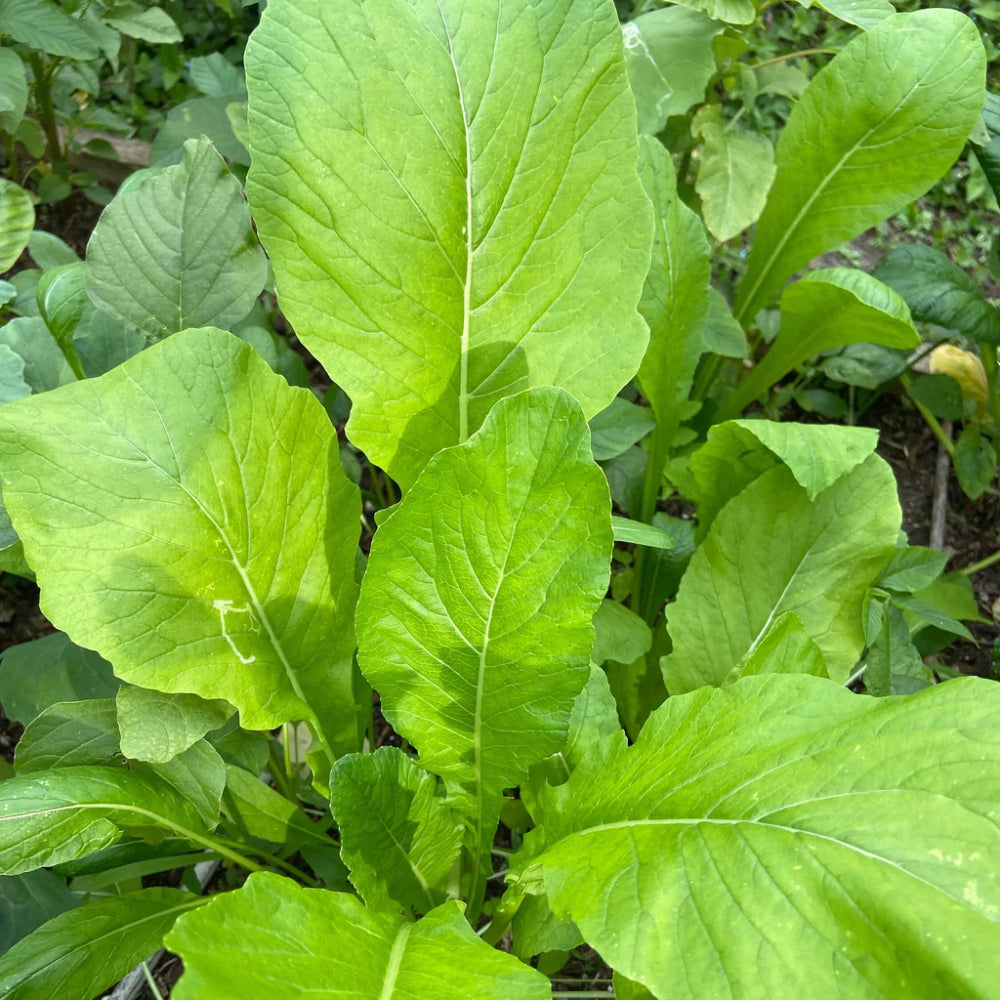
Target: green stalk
[988, 352]
[659, 449]
[930, 419]
[990, 560]
[46, 109]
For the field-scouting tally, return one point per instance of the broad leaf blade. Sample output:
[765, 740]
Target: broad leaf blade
[243, 592]
[779, 833]
[157, 726]
[44, 26]
[83, 952]
[771, 550]
[27, 901]
[178, 251]
[500, 541]
[481, 239]
[338, 950]
[874, 130]
[17, 219]
[69, 734]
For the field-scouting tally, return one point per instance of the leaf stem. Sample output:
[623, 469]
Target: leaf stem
[46, 109]
[990, 560]
[151, 982]
[801, 54]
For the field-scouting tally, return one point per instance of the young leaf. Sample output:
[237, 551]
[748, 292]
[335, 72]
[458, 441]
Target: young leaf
[244, 591]
[778, 833]
[65, 813]
[771, 549]
[785, 648]
[399, 837]
[829, 308]
[177, 251]
[231, 951]
[617, 427]
[500, 541]
[874, 130]
[938, 291]
[912, 568]
[619, 634]
[84, 951]
[17, 214]
[462, 218]
[157, 726]
[640, 533]
[69, 734]
[257, 810]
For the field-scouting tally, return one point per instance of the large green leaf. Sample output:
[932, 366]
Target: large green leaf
[67, 812]
[792, 838]
[45, 365]
[83, 952]
[335, 949]
[178, 250]
[150, 25]
[770, 550]
[448, 195]
[875, 129]
[828, 308]
[17, 219]
[989, 155]
[730, 11]
[12, 382]
[44, 26]
[13, 90]
[670, 61]
[938, 291]
[500, 542]
[206, 543]
[863, 13]
[399, 837]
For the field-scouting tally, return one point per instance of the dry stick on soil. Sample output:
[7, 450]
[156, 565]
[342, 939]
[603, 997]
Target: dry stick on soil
[939, 505]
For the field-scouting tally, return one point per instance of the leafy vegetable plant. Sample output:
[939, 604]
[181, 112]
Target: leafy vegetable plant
[459, 219]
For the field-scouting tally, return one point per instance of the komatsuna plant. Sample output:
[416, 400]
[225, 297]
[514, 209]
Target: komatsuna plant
[451, 202]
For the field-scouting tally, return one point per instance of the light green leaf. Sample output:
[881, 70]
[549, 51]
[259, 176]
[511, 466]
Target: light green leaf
[44, 26]
[730, 11]
[12, 383]
[875, 129]
[938, 291]
[62, 300]
[462, 218]
[912, 568]
[102, 343]
[675, 299]
[670, 60]
[157, 726]
[499, 542]
[619, 426]
[338, 949]
[988, 154]
[771, 549]
[48, 250]
[735, 172]
[45, 366]
[151, 24]
[27, 901]
[67, 812]
[863, 13]
[192, 119]
[777, 833]
[69, 734]
[215, 76]
[619, 634]
[720, 333]
[257, 810]
[83, 952]
[17, 219]
[739, 451]
[640, 533]
[975, 461]
[13, 90]
[43, 672]
[829, 308]
[782, 78]
[785, 648]
[220, 595]
[178, 251]
[399, 837]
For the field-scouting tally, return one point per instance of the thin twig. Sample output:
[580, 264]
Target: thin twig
[939, 502]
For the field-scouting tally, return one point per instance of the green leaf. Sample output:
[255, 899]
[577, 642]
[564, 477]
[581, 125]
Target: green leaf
[828, 308]
[975, 461]
[865, 365]
[675, 299]
[257, 810]
[785, 648]
[670, 60]
[735, 172]
[215, 76]
[27, 901]
[17, 217]
[192, 119]
[640, 533]
[940, 394]
[863, 13]
[720, 333]
[892, 654]
[62, 301]
[771, 549]
[48, 250]
[456, 240]
[868, 876]
[12, 383]
[873, 131]
[149, 25]
[13, 90]
[69, 734]
[102, 343]
[938, 291]
[45, 366]
[350, 952]
[67, 812]
[221, 596]
[730, 11]
[178, 251]
[989, 156]
[912, 568]
[44, 26]
[43, 672]
[739, 451]
[500, 541]
[83, 952]
[157, 726]
[399, 837]
[619, 634]
[619, 426]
